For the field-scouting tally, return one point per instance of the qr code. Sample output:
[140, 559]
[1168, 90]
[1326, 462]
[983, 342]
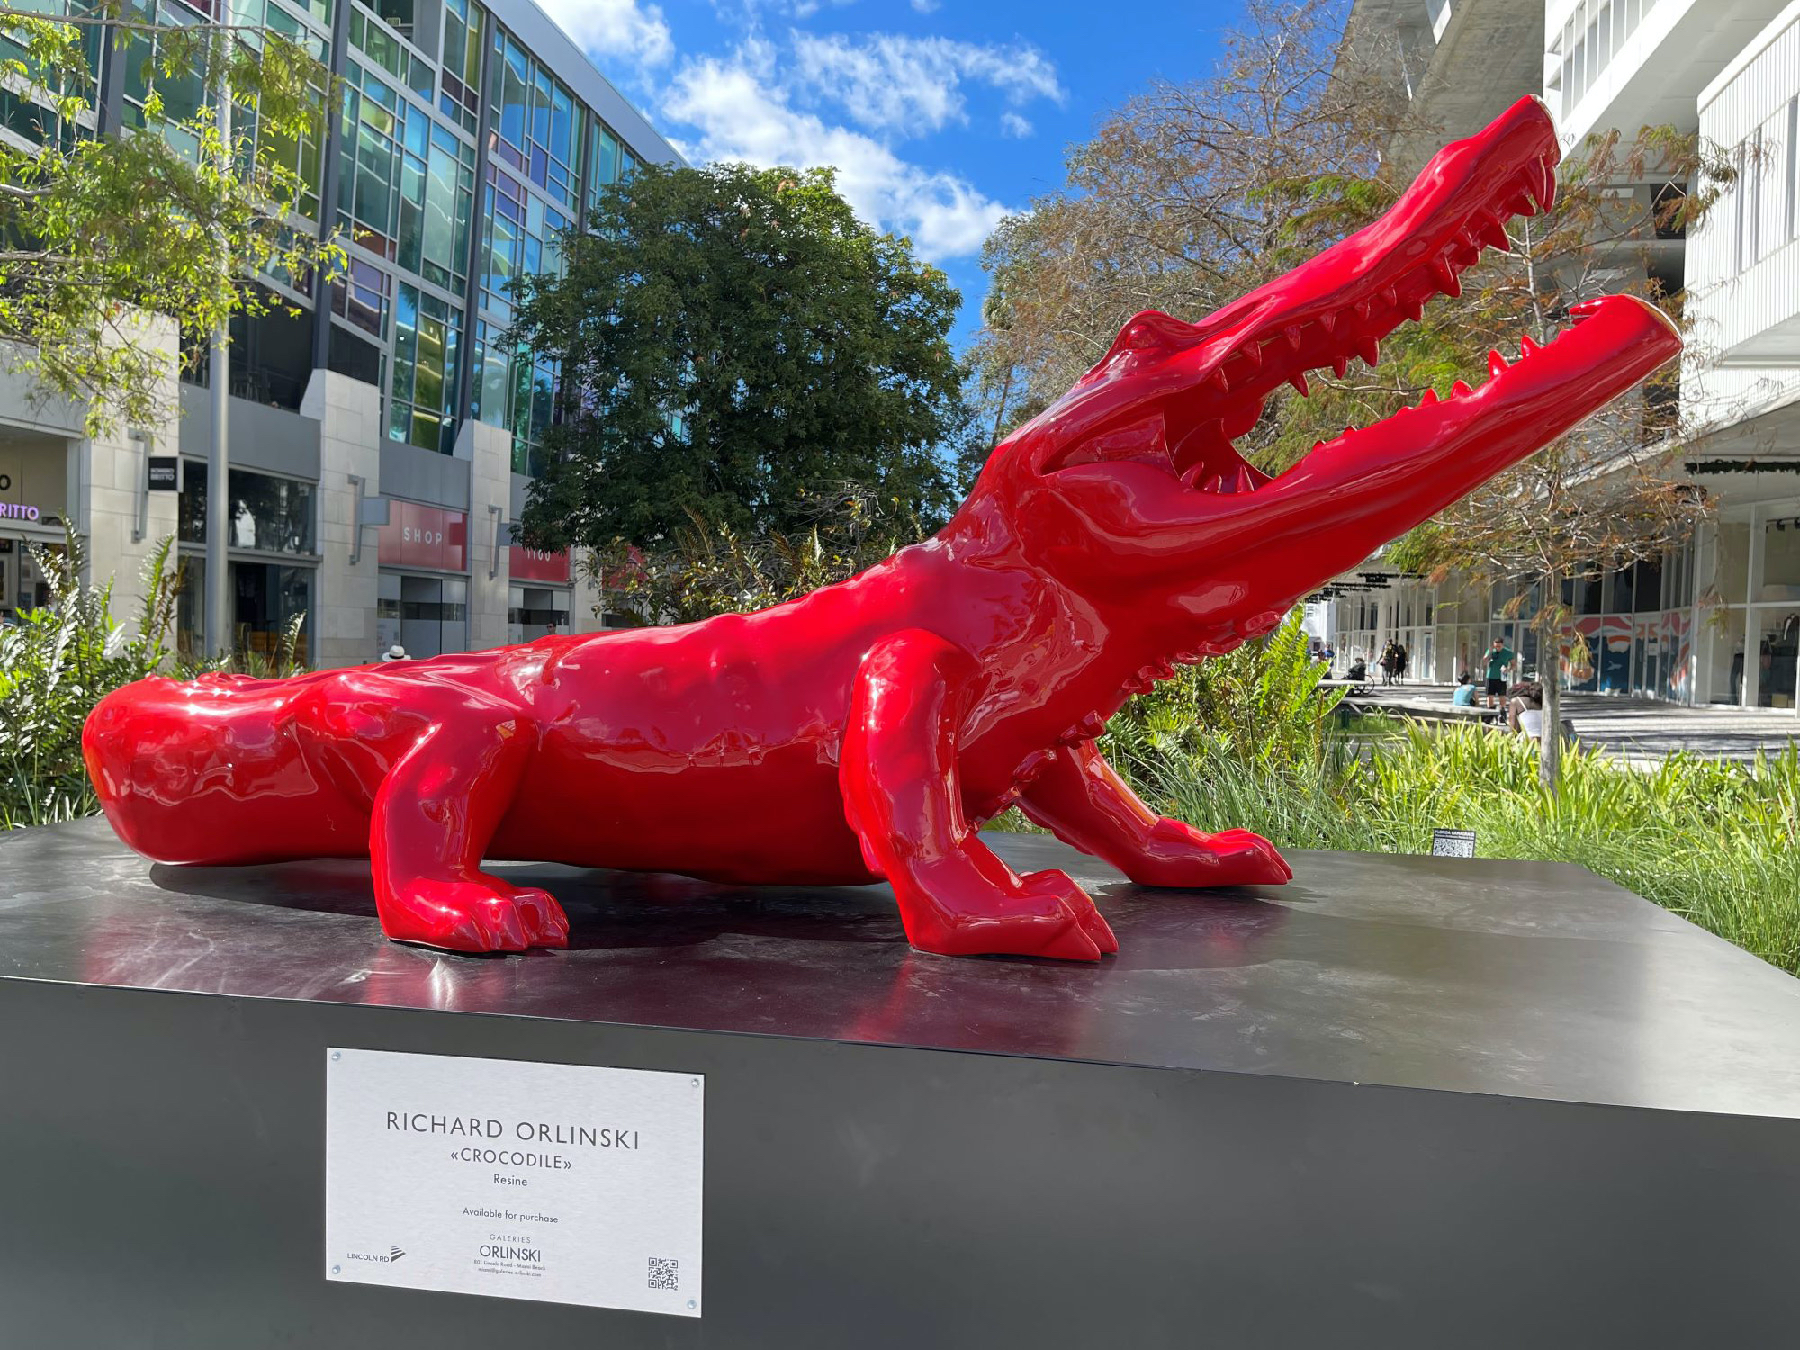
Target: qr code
[665, 1272]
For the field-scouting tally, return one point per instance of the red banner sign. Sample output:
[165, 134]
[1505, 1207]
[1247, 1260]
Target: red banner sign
[425, 537]
[530, 564]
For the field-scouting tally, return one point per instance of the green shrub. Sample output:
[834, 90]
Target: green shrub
[1257, 705]
[55, 665]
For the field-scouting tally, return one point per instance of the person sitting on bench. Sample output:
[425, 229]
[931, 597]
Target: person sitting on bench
[1525, 711]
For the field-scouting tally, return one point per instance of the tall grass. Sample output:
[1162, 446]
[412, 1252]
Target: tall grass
[1247, 742]
[1717, 843]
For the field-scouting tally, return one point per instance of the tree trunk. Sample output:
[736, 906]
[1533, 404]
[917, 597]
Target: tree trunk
[1550, 677]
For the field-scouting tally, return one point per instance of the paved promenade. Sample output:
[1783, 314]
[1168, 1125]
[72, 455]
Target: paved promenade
[1632, 728]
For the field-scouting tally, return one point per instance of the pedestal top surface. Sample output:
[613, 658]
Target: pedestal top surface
[1521, 979]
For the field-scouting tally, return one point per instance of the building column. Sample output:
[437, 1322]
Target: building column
[1700, 632]
[489, 451]
[350, 435]
[1753, 583]
[109, 488]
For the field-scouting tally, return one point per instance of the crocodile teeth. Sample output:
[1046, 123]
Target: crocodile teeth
[1496, 364]
[1543, 185]
[1492, 233]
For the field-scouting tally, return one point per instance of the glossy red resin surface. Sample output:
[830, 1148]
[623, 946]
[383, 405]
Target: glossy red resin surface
[865, 731]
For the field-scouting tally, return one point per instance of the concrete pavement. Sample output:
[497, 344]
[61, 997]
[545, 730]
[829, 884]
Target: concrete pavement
[1631, 728]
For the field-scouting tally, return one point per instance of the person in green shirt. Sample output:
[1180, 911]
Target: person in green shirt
[1500, 660]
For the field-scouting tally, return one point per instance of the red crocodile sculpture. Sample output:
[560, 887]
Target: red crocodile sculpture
[865, 731]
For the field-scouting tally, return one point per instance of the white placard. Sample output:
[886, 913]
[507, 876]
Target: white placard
[558, 1182]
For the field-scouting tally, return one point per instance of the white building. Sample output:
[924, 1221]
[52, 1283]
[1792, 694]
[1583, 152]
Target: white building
[1678, 628]
[1742, 382]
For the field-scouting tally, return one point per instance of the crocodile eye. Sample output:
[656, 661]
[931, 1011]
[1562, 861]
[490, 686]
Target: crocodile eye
[1152, 330]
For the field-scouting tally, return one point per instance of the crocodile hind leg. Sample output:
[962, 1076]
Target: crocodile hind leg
[899, 782]
[434, 813]
[1081, 799]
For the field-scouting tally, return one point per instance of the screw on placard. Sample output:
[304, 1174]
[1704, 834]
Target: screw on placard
[337, 1054]
[694, 1081]
[337, 1270]
[692, 1303]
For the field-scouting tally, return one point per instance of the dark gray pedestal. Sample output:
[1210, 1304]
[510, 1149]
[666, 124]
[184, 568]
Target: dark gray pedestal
[1401, 1102]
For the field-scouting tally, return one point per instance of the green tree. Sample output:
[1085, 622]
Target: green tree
[170, 217]
[738, 352]
[1187, 196]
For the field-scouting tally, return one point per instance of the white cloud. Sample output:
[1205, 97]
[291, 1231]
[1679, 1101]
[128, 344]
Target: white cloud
[892, 83]
[740, 113]
[615, 28]
[925, 6]
[1011, 124]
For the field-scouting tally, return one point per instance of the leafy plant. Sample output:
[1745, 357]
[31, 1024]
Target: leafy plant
[1259, 705]
[56, 663]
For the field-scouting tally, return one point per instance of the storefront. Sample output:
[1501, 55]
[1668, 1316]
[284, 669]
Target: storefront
[273, 559]
[539, 595]
[423, 590]
[1755, 606]
[33, 497]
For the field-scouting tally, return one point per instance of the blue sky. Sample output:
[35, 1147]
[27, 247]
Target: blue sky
[941, 115]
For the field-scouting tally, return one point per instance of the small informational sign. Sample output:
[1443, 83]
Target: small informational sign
[1453, 843]
[554, 1182]
[165, 473]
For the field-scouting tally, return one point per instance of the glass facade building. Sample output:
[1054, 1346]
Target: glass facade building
[383, 433]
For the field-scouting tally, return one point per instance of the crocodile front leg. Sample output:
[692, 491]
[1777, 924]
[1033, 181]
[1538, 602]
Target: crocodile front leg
[898, 776]
[1082, 800]
[433, 816]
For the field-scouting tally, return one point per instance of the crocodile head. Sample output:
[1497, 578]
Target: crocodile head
[1130, 483]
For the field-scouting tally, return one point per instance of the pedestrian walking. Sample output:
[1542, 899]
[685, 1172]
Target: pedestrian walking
[1390, 660]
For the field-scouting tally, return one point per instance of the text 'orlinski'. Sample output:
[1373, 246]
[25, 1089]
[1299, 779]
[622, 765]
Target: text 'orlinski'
[526, 1131]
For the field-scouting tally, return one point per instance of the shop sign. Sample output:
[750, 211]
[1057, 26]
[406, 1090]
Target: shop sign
[531, 564]
[165, 473]
[425, 537]
[18, 511]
